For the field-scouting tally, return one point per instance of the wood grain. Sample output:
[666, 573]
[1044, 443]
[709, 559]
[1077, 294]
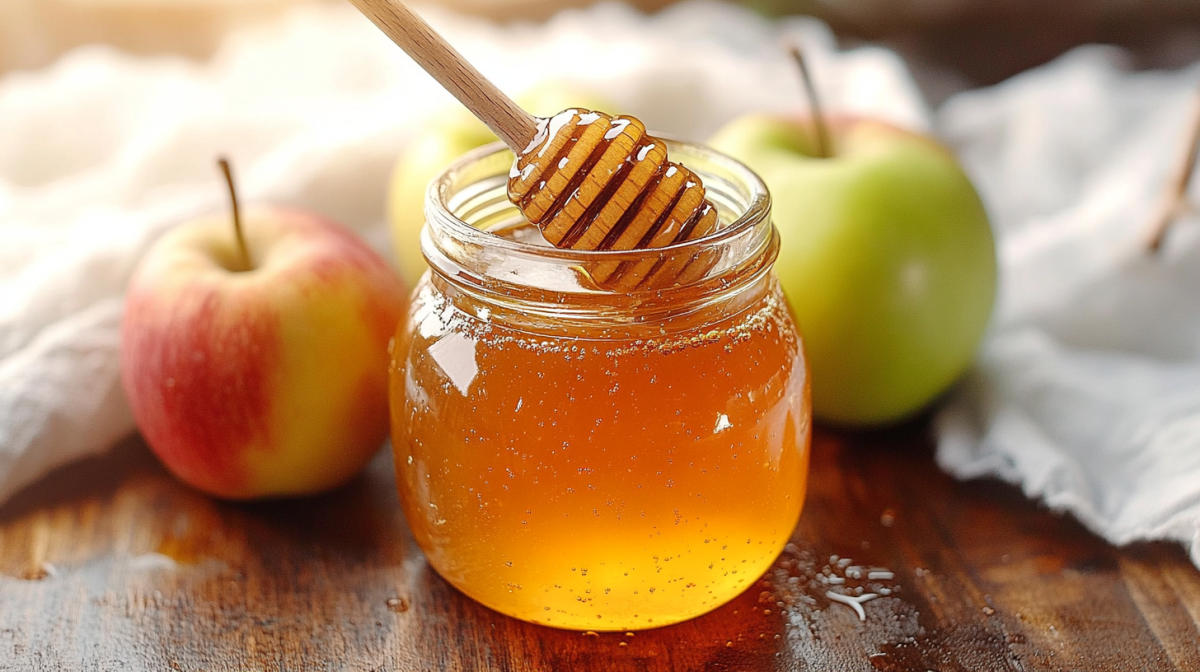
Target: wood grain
[112, 565]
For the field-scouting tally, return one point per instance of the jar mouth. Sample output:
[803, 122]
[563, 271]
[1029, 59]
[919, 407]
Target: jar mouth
[440, 210]
[468, 203]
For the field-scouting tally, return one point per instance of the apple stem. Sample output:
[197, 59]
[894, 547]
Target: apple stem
[1175, 201]
[237, 215]
[824, 150]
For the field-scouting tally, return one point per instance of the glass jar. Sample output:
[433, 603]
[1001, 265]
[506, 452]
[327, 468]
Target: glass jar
[588, 459]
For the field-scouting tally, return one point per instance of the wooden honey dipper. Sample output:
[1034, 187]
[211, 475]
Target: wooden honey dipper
[587, 180]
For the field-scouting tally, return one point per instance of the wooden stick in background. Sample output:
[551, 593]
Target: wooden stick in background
[1175, 200]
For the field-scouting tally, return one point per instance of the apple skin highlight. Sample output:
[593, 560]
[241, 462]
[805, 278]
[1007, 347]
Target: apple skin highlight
[263, 382]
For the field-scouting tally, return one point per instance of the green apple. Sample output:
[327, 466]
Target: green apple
[887, 259]
[450, 134]
[444, 138]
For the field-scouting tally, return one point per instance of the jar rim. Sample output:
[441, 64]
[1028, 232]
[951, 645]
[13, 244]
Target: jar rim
[469, 201]
[437, 211]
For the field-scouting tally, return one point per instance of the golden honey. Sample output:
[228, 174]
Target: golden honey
[588, 459]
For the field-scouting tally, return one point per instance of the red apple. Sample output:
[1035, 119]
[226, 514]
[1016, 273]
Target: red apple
[266, 378]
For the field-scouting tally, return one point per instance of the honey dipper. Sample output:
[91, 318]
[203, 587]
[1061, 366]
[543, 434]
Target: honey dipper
[587, 180]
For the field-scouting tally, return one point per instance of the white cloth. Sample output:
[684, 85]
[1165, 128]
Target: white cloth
[1087, 393]
[102, 152]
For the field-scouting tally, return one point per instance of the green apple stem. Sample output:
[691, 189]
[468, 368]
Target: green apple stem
[824, 150]
[1175, 201]
[237, 215]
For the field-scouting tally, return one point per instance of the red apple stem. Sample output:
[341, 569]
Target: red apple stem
[237, 215]
[1175, 201]
[821, 129]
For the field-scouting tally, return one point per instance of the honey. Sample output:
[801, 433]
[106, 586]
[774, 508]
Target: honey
[588, 459]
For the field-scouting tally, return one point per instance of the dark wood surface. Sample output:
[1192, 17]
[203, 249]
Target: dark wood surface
[112, 565]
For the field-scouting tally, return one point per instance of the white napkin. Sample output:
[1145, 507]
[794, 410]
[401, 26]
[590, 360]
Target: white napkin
[1088, 389]
[102, 152]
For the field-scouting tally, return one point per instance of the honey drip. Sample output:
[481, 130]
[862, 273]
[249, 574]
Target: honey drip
[594, 182]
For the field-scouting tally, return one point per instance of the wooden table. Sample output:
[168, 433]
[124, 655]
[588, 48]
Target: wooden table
[112, 565]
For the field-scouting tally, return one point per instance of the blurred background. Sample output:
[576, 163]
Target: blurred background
[950, 44]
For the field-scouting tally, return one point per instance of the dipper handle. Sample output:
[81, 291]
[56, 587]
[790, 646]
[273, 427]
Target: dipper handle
[410, 32]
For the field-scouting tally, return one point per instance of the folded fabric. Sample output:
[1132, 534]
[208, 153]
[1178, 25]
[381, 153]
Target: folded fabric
[1088, 389]
[103, 152]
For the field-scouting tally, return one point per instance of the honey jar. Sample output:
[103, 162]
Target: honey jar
[592, 459]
